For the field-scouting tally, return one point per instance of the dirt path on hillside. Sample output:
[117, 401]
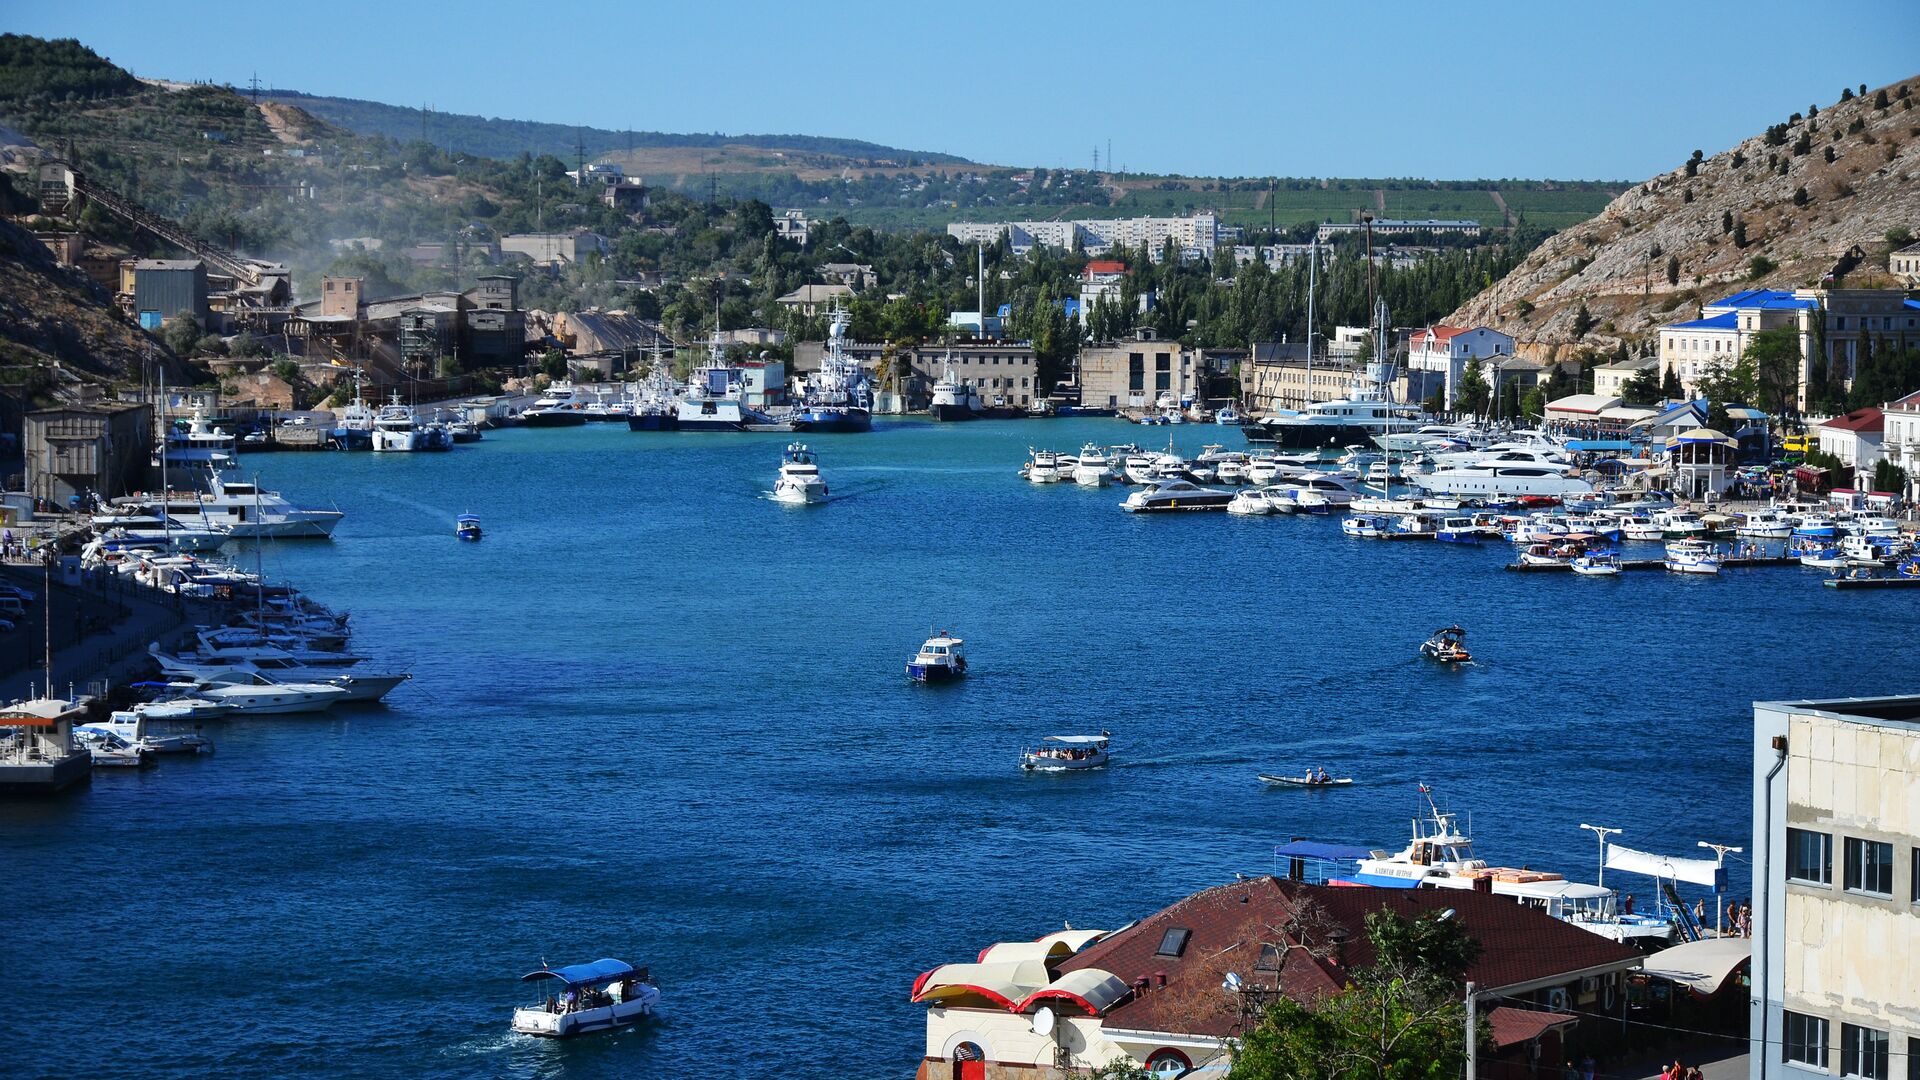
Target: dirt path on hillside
[1506, 216]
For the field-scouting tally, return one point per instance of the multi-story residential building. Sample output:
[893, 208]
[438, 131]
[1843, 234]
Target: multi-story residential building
[1137, 374]
[814, 299]
[1901, 440]
[1905, 265]
[792, 225]
[1195, 236]
[1841, 318]
[1448, 349]
[1397, 226]
[1855, 439]
[1274, 255]
[1100, 280]
[1610, 380]
[1836, 878]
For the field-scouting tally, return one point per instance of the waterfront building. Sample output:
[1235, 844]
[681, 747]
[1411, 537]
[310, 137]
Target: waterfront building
[1448, 349]
[1170, 992]
[1001, 373]
[1901, 440]
[1830, 324]
[1855, 439]
[103, 448]
[1836, 906]
[1276, 376]
[1136, 374]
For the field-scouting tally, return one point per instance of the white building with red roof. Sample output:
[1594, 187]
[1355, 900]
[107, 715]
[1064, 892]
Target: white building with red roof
[1100, 281]
[1855, 439]
[1446, 350]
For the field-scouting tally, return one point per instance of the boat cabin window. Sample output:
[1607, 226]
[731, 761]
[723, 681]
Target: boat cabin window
[1173, 942]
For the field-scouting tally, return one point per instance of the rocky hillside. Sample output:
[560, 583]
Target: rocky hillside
[59, 329]
[1778, 210]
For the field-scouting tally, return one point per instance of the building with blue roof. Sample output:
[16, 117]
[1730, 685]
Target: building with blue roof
[1695, 350]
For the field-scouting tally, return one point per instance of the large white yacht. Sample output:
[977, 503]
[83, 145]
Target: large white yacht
[1092, 468]
[245, 512]
[200, 447]
[396, 428]
[800, 482]
[1501, 480]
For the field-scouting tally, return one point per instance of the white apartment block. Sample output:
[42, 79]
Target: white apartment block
[1402, 227]
[1448, 350]
[1610, 380]
[1195, 236]
[1836, 878]
[1274, 255]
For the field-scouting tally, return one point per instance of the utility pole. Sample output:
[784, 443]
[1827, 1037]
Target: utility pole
[1600, 833]
[253, 84]
[579, 159]
[1719, 890]
[1473, 1032]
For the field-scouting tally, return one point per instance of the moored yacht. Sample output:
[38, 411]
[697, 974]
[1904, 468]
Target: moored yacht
[716, 397]
[837, 397]
[1162, 496]
[1092, 468]
[953, 397]
[396, 428]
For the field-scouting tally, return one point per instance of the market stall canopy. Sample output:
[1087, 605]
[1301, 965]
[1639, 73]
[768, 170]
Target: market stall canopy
[1701, 966]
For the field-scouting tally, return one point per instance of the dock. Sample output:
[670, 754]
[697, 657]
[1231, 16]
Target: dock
[1660, 564]
[1872, 583]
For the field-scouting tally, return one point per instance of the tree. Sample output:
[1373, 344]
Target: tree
[1673, 269]
[1774, 359]
[1739, 234]
[1399, 1018]
[554, 363]
[181, 333]
[1583, 321]
[1642, 389]
[1670, 388]
[1889, 477]
[1471, 394]
[1726, 221]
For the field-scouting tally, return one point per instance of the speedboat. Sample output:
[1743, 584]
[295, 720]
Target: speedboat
[467, 527]
[1067, 753]
[1693, 557]
[109, 750]
[1045, 467]
[1596, 564]
[1162, 496]
[131, 725]
[1462, 530]
[581, 998]
[1312, 779]
[1252, 501]
[1447, 645]
[252, 694]
[1321, 493]
[1640, 527]
[1092, 468]
[1365, 525]
[800, 483]
[939, 660]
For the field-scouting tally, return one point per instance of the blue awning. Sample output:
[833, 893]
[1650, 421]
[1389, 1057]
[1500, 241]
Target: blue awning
[1314, 849]
[1379, 880]
[1599, 444]
[598, 971]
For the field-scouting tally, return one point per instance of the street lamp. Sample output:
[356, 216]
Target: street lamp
[1600, 833]
[1720, 860]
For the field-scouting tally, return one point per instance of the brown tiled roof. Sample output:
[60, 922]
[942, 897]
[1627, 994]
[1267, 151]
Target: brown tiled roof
[1511, 1027]
[1229, 923]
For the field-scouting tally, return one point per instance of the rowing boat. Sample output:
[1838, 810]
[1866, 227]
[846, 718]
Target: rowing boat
[1304, 781]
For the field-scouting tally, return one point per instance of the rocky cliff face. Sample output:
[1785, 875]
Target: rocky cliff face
[1797, 211]
[58, 328]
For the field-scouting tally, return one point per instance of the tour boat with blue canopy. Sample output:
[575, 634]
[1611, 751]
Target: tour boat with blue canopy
[580, 998]
[1068, 753]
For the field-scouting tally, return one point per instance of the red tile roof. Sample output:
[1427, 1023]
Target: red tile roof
[1230, 923]
[1511, 1027]
[1864, 421]
[1440, 333]
[1106, 266]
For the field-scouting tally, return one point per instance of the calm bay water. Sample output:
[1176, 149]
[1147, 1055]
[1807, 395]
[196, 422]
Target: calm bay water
[658, 717]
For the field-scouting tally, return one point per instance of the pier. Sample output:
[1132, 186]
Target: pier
[1872, 583]
[1659, 564]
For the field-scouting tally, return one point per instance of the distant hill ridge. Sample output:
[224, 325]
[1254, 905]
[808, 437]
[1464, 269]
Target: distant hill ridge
[502, 138]
[1777, 210]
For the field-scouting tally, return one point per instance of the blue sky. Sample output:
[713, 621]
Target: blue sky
[1618, 90]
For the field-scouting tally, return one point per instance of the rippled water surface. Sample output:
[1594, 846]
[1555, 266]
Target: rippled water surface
[658, 717]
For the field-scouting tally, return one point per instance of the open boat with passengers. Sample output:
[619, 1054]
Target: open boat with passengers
[1447, 645]
[1067, 753]
[587, 997]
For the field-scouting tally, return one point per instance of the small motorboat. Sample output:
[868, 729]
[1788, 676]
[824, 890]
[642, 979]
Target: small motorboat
[467, 527]
[939, 660]
[1596, 564]
[1313, 779]
[1250, 501]
[800, 482]
[1693, 556]
[1447, 645]
[109, 750]
[1067, 753]
[588, 997]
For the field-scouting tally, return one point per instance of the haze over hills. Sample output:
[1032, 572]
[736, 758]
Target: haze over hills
[1777, 210]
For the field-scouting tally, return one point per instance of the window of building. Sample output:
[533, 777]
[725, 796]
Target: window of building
[1162, 381]
[1869, 867]
[1805, 1041]
[1913, 1057]
[1809, 857]
[1168, 1063]
[1863, 1052]
[1173, 942]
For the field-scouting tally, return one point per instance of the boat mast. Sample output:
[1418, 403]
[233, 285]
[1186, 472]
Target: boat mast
[1313, 277]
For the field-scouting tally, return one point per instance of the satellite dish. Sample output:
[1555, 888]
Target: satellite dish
[1043, 1021]
[1231, 984]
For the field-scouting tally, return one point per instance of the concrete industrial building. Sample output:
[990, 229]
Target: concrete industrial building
[103, 448]
[1003, 373]
[1836, 907]
[554, 249]
[163, 288]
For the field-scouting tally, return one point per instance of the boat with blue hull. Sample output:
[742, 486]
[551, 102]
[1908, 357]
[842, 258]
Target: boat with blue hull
[838, 397]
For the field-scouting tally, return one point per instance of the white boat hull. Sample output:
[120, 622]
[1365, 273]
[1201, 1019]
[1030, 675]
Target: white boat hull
[560, 1025]
[1037, 763]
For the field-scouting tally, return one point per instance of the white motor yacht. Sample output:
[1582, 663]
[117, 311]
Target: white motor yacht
[1162, 496]
[1501, 481]
[158, 529]
[108, 749]
[1321, 493]
[1094, 468]
[1046, 467]
[246, 512]
[1250, 501]
[1764, 525]
[800, 482]
[1693, 557]
[133, 726]
[253, 694]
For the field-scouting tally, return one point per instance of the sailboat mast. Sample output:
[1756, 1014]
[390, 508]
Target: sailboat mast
[1313, 279]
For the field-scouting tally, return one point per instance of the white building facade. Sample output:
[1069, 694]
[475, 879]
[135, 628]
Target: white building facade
[1448, 349]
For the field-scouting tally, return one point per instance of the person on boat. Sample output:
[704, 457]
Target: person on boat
[1629, 903]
